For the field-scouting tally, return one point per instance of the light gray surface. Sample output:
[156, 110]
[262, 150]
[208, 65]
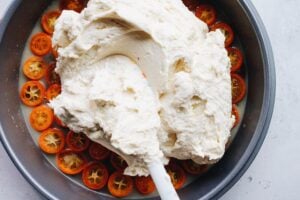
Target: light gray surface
[275, 173]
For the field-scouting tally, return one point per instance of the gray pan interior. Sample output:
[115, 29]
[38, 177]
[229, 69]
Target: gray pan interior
[15, 29]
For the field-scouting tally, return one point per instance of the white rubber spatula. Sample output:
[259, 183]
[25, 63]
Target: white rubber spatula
[162, 181]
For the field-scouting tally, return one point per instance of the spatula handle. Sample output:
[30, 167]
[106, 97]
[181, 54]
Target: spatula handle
[162, 181]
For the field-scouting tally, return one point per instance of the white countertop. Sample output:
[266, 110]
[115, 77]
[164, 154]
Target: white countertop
[275, 173]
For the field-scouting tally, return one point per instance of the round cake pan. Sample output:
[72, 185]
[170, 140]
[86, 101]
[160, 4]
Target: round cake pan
[27, 157]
